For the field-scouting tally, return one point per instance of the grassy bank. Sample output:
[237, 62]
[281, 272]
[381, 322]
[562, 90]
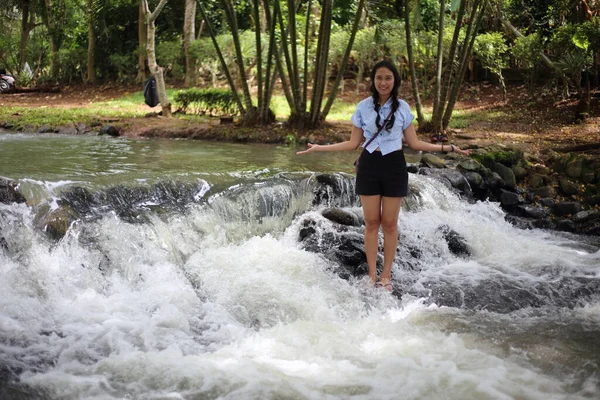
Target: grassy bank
[57, 111]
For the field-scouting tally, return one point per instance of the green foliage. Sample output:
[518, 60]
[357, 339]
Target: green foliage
[169, 55]
[527, 50]
[124, 64]
[73, 63]
[207, 101]
[570, 44]
[491, 50]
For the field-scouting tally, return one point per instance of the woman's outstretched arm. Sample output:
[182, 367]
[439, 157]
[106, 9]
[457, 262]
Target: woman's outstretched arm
[355, 140]
[410, 136]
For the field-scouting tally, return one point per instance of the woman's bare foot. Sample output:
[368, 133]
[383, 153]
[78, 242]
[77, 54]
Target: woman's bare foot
[386, 284]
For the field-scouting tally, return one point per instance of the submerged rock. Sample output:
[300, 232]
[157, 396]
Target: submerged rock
[56, 223]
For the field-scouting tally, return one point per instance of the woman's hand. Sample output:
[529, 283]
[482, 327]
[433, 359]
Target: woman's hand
[460, 151]
[311, 149]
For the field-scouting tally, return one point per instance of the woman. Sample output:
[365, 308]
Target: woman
[382, 178]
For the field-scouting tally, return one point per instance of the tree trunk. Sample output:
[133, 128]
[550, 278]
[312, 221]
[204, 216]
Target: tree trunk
[239, 57]
[411, 60]
[213, 37]
[436, 118]
[50, 22]
[27, 24]
[453, 51]
[465, 53]
[321, 64]
[142, 39]
[189, 34]
[342, 69]
[156, 70]
[91, 67]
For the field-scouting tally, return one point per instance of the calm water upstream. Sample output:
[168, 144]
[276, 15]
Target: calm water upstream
[185, 278]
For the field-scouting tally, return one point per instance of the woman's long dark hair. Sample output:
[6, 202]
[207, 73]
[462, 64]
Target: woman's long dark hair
[394, 95]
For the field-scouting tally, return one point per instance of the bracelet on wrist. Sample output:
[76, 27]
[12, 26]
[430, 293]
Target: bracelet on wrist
[452, 148]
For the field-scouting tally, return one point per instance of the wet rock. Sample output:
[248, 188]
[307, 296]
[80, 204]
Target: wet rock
[343, 245]
[507, 174]
[545, 191]
[308, 229]
[470, 165]
[566, 225]
[534, 211]
[590, 227]
[520, 173]
[412, 168]
[544, 223]
[451, 178]
[335, 190]
[432, 161]
[69, 129]
[519, 222]
[568, 187]
[46, 129]
[83, 128]
[9, 192]
[567, 208]
[536, 181]
[587, 215]
[574, 168]
[56, 223]
[509, 199]
[493, 180]
[456, 243]
[548, 202]
[588, 177]
[109, 130]
[341, 216]
[474, 179]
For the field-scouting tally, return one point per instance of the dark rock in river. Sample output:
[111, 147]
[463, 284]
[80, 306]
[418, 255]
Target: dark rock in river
[341, 216]
[456, 243]
[9, 192]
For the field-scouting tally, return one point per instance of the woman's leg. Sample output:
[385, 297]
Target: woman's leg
[371, 206]
[390, 208]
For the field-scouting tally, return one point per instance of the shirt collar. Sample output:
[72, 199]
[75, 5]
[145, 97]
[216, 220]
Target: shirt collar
[387, 104]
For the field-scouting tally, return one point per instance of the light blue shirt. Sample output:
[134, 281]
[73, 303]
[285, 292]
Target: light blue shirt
[388, 141]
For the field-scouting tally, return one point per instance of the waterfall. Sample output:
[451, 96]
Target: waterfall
[171, 270]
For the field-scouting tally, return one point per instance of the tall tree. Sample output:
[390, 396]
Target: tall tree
[92, 8]
[156, 70]
[189, 32]
[28, 23]
[142, 55]
[296, 80]
[53, 15]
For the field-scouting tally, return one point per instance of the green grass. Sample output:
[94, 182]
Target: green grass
[128, 106]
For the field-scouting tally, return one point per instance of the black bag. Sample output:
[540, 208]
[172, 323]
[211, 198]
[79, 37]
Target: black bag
[373, 138]
[150, 92]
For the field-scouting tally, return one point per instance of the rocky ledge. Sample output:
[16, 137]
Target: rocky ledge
[553, 191]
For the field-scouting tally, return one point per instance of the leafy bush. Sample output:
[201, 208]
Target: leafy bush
[207, 101]
[170, 56]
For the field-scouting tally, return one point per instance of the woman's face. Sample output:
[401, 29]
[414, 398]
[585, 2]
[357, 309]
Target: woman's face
[384, 81]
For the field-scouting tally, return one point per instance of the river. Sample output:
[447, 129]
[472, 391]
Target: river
[186, 279]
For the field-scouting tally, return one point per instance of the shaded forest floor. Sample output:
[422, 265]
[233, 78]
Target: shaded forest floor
[481, 118]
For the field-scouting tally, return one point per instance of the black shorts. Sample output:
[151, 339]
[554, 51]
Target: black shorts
[382, 175]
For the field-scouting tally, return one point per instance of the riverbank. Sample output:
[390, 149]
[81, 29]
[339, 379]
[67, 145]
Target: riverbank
[532, 157]
[480, 119]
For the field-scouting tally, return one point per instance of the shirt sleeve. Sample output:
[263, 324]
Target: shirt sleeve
[407, 116]
[357, 118]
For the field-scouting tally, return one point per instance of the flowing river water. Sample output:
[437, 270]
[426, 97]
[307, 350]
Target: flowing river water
[199, 287]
